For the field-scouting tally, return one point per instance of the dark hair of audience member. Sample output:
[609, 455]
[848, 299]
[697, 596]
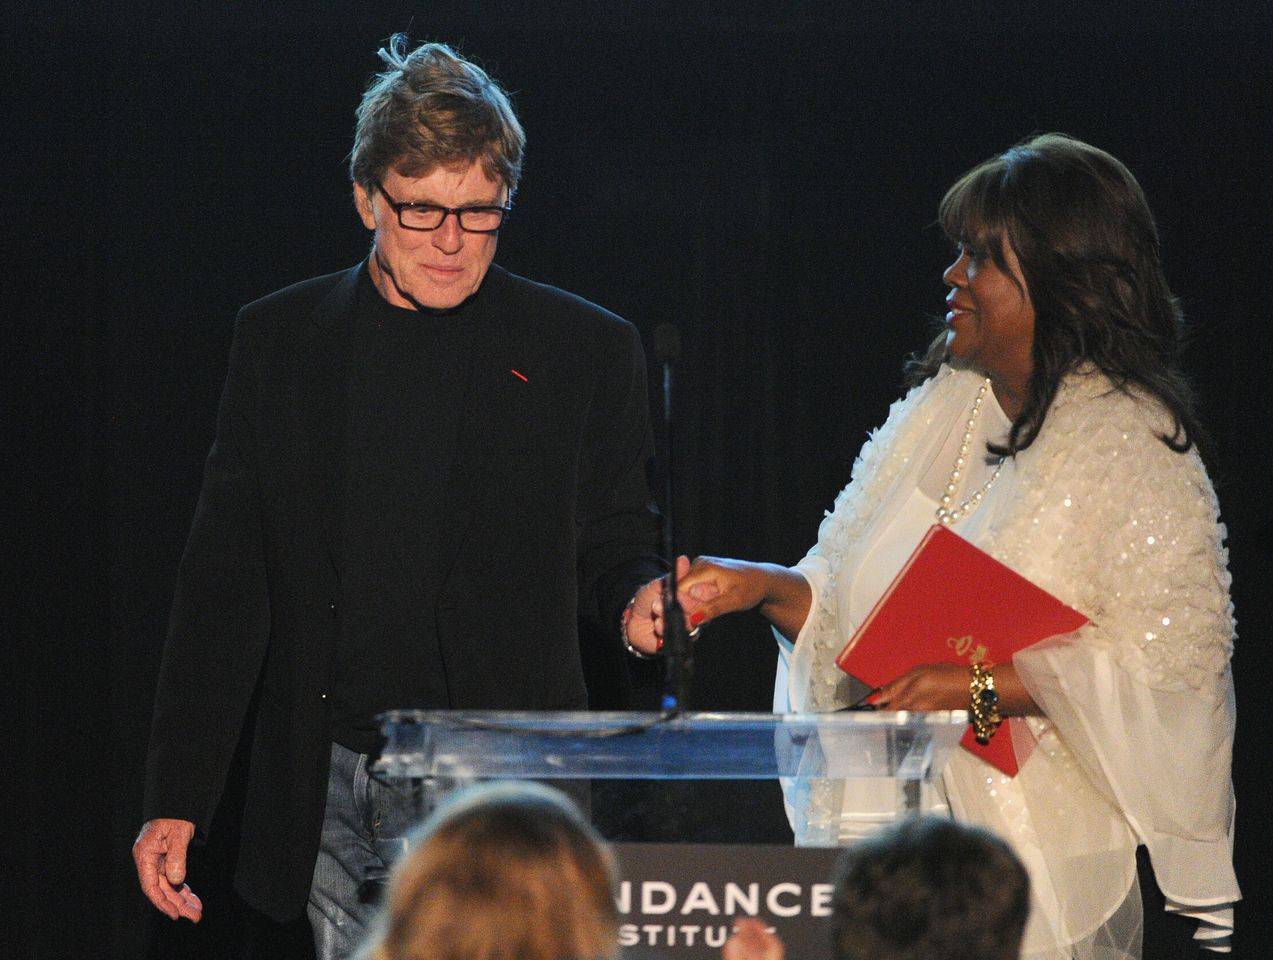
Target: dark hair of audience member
[930, 889]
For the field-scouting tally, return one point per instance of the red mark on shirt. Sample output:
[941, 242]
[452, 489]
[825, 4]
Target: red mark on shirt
[520, 376]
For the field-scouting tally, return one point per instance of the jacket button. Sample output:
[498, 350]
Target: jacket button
[332, 607]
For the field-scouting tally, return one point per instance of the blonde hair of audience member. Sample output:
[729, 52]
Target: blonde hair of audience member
[504, 872]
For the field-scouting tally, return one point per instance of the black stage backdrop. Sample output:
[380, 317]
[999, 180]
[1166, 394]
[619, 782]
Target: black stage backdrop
[768, 182]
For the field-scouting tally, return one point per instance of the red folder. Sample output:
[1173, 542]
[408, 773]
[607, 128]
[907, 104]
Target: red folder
[954, 603]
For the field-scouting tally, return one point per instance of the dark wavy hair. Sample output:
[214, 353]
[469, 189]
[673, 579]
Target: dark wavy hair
[1088, 248]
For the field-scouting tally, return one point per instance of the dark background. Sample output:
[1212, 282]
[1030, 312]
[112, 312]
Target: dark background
[768, 182]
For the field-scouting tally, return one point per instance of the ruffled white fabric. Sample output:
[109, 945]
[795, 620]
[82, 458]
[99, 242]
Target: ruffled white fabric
[1137, 740]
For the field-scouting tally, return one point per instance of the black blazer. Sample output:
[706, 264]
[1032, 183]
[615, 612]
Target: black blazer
[551, 523]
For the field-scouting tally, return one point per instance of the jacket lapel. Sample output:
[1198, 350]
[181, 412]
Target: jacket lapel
[326, 414]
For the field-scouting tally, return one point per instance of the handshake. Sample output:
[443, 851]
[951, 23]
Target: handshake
[710, 587]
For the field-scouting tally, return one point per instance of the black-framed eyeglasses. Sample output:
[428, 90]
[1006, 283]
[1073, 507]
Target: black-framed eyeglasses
[430, 216]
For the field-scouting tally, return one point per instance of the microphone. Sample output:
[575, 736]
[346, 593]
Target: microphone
[680, 654]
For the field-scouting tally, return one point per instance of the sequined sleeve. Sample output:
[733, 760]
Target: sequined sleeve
[1158, 582]
[1143, 696]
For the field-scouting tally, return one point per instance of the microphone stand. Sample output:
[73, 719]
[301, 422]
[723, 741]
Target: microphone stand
[676, 638]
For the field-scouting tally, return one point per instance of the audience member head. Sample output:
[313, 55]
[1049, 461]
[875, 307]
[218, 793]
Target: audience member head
[501, 872]
[930, 889]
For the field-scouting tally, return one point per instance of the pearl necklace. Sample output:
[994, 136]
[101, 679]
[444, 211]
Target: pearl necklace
[946, 514]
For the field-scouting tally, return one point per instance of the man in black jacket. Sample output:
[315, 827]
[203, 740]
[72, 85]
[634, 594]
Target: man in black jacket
[426, 471]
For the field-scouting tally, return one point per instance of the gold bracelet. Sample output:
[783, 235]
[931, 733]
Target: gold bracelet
[983, 704]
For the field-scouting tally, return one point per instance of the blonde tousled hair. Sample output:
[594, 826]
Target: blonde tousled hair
[432, 108]
[505, 872]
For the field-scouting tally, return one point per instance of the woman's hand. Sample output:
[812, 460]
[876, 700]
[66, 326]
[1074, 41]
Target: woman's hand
[945, 686]
[714, 586]
[929, 686]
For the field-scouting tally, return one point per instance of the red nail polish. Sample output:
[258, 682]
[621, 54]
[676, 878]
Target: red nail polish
[696, 619]
[659, 646]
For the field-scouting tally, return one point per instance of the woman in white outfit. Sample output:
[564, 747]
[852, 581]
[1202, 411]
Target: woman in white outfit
[1049, 425]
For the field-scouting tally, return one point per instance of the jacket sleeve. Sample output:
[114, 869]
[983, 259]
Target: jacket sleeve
[618, 523]
[220, 619]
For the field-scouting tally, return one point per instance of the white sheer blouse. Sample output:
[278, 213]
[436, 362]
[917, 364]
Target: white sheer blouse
[1136, 742]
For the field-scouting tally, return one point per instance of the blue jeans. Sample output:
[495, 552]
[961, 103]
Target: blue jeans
[364, 831]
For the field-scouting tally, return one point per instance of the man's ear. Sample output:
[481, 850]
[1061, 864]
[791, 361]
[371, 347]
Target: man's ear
[362, 201]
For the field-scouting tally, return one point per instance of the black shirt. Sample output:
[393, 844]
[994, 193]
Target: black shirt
[407, 372]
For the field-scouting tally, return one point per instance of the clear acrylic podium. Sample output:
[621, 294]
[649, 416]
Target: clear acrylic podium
[435, 751]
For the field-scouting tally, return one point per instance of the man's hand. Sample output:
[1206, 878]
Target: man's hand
[751, 940]
[160, 855]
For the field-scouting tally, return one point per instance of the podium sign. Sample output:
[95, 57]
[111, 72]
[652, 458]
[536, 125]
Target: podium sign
[679, 901]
